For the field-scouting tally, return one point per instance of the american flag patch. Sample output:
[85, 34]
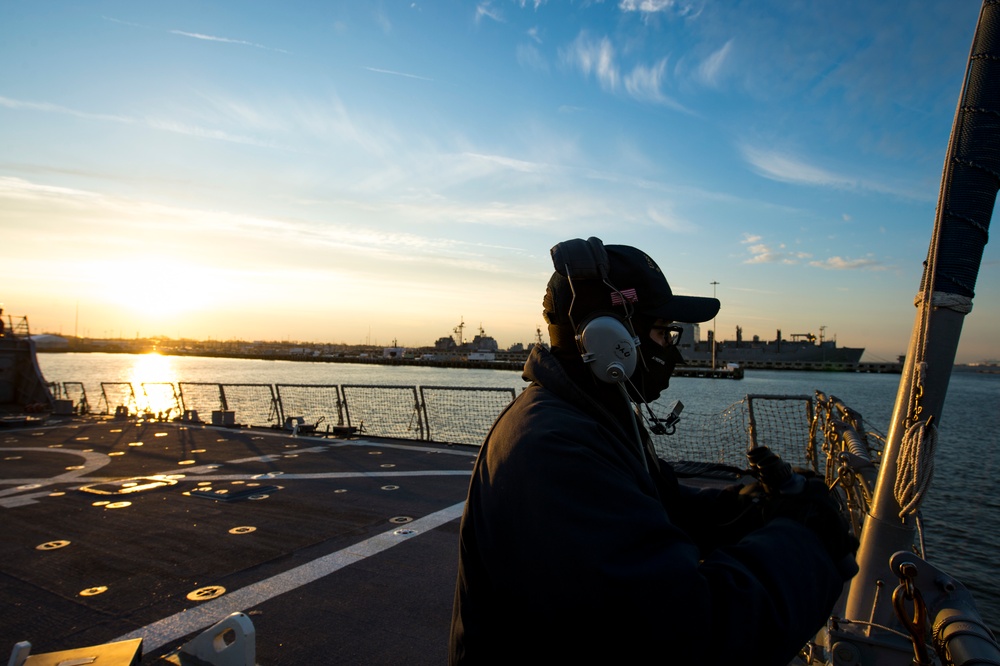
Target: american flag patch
[628, 294]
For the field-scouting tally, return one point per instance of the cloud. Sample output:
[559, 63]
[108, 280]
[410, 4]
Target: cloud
[394, 73]
[786, 168]
[533, 33]
[598, 57]
[659, 6]
[165, 125]
[509, 163]
[644, 82]
[709, 71]
[668, 221]
[842, 264]
[530, 57]
[645, 85]
[128, 23]
[595, 57]
[763, 253]
[133, 224]
[176, 127]
[485, 10]
[19, 188]
[225, 40]
[46, 107]
[382, 19]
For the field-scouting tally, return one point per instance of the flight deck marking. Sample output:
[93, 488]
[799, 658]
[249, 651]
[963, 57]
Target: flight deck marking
[204, 615]
[92, 462]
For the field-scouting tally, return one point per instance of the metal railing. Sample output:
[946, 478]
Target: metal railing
[450, 414]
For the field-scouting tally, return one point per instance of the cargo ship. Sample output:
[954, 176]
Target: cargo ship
[804, 351]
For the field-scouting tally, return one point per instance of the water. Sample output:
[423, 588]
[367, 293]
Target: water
[961, 511]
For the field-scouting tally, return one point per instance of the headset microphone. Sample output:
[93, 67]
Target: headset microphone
[667, 426]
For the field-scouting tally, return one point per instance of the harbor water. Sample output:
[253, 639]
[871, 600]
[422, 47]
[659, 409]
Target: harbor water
[961, 512]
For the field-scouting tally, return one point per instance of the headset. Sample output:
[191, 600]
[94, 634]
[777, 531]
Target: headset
[607, 345]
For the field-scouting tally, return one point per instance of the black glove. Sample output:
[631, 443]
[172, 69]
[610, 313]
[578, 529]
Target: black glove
[816, 508]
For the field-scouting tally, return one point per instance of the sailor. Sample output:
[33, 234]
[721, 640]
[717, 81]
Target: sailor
[578, 545]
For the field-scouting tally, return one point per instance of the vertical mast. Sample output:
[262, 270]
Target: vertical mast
[968, 192]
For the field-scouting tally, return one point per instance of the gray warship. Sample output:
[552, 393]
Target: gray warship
[804, 351]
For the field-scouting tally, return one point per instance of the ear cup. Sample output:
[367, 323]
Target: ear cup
[609, 349]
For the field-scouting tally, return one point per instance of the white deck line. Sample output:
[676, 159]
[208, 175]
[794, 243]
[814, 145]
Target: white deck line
[206, 614]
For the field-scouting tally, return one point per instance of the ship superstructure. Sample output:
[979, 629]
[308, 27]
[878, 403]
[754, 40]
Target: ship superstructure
[804, 351]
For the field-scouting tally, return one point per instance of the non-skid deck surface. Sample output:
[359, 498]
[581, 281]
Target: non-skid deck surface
[340, 551]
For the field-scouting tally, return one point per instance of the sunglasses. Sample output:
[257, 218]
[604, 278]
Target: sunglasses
[670, 334]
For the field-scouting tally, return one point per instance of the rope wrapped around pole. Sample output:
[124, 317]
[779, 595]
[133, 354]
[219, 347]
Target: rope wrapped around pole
[916, 467]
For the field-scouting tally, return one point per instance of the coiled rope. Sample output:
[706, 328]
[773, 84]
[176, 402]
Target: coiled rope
[915, 464]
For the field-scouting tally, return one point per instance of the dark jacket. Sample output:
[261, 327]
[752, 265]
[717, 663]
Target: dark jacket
[567, 551]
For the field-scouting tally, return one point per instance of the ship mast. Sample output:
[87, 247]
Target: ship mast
[965, 206]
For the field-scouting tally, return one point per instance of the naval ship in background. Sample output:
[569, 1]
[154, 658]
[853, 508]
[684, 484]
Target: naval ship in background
[804, 351]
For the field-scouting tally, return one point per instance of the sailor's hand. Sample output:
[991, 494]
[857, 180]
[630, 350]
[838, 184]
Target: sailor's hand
[817, 508]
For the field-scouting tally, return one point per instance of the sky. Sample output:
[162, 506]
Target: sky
[371, 172]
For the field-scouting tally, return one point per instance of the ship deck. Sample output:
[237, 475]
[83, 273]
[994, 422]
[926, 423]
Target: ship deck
[339, 550]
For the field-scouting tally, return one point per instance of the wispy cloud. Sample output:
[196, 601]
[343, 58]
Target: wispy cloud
[128, 23]
[667, 220]
[598, 57]
[486, 10]
[47, 107]
[762, 253]
[395, 73]
[595, 57]
[844, 264]
[530, 57]
[145, 220]
[161, 124]
[645, 84]
[709, 72]
[168, 125]
[660, 6]
[19, 188]
[198, 35]
[382, 19]
[787, 168]
[225, 40]
[510, 163]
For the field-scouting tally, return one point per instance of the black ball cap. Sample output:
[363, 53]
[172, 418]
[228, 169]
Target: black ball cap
[639, 280]
[606, 279]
